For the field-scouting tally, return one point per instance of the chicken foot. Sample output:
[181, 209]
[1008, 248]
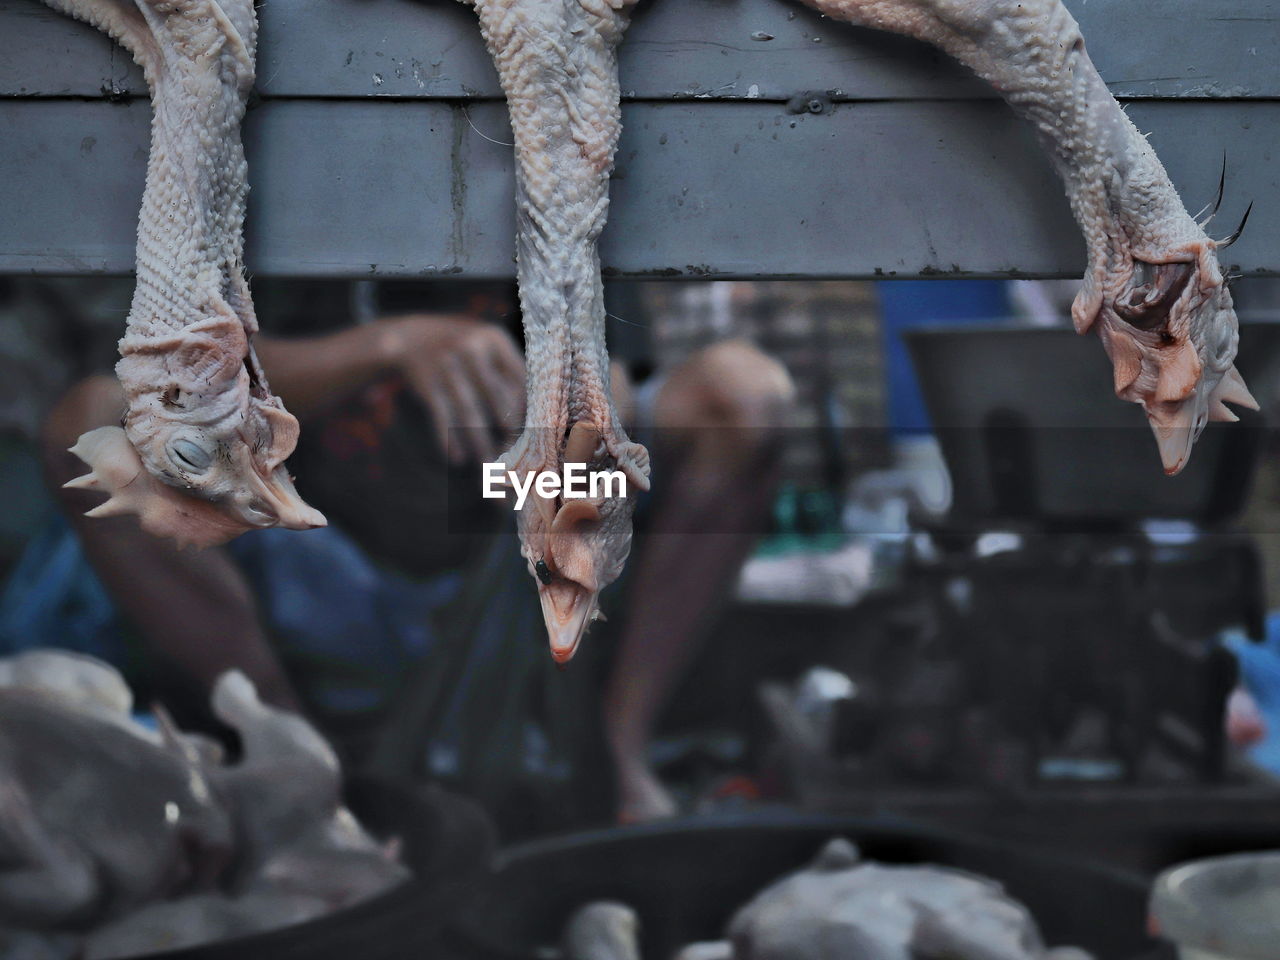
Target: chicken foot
[1153, 289]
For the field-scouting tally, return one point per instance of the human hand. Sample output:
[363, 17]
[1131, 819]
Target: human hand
[1246, 725]
[468, 373]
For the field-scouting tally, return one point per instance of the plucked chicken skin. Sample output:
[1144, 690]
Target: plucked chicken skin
[843, 908]
[98, 817]
[118, 840]
[557, 63]
[200, 455]
[1153, 289]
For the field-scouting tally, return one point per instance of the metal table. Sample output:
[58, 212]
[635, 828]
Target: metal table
[761, 140]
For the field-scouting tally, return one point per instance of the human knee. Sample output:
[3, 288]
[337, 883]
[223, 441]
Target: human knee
[725, 406]
[729, 384]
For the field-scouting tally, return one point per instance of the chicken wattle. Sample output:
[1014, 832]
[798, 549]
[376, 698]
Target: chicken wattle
[557, 63]
[1153, 288]
[200, 457]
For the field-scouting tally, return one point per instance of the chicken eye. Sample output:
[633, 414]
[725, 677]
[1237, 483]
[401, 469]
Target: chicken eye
[191, 455]
[543, 571]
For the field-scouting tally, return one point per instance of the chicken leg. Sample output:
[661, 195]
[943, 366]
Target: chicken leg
[557, 63]
[1153, 287]
[200, 457]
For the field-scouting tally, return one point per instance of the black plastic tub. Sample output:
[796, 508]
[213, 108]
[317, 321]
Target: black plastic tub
[686, 878]
[1030, 428]
[447, 841]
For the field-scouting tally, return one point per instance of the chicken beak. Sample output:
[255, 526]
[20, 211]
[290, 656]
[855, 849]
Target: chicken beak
[568, 608]
[1175, 444]
[1177, 426]
[290, 510]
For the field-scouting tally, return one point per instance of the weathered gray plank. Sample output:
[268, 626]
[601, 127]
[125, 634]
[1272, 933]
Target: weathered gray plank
[676, 48]
[356, 189]
[393, 188]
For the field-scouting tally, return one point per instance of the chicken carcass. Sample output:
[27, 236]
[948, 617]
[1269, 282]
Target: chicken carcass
[94, 818]
[557, 63]
[295, 835]
[300, 853]
[840, 906]
[201, 454]
[1153, 289]
[121, 840]
[77, 679]
[604, 930]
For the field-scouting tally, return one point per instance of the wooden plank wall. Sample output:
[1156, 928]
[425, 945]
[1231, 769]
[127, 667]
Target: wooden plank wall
[372, 143]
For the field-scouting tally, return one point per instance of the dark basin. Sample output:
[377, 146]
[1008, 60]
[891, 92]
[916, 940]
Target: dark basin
[1030, 428]
[686, 879]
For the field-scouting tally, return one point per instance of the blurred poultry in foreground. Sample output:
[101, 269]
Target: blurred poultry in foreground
[840, 906]
[148, 840]
[200, 457]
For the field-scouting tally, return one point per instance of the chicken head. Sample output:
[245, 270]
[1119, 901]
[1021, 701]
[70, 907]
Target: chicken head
[557, 63]
[200, 457]
[577, 547]
[1153, 286]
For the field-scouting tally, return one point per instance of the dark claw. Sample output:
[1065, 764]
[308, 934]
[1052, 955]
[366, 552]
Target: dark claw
[1217, 204]
[1222, 186]
[1239, 230]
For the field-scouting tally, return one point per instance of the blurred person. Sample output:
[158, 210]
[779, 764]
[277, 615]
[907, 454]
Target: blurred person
[714, 431]
[328, 621]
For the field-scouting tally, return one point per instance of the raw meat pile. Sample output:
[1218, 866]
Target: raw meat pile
[119, 841]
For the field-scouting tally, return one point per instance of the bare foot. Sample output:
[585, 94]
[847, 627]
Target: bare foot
[641, 795]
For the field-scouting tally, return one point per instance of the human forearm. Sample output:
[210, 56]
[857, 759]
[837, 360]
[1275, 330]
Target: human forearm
[311, 373]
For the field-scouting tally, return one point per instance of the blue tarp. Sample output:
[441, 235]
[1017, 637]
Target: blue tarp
[913, 303]
[1260, 674]
[348, 627]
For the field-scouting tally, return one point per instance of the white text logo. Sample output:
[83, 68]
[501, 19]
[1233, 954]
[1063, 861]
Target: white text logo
[576, 483]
